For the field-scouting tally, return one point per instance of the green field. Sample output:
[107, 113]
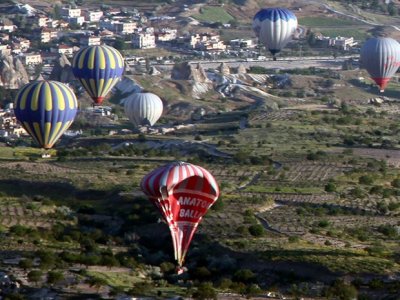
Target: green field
[357, 34]
[213, 14]
[322, 21]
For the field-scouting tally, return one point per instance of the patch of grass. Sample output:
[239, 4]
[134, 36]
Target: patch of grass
[335, 260]
[347, 32]
[322, 21]
[284, 189]
[124, 280]
[213, 14]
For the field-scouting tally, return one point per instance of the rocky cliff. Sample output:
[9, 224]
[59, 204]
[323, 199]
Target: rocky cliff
[186, 71]
[13, 74]
[62, 70]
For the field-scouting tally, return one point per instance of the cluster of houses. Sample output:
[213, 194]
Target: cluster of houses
[75, 27]
[9, 127]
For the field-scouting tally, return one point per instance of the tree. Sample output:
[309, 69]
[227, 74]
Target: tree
[97, 282]
[25, 264]
[366, 179]
[396, 183]
[311, 39]
[205, 291]
[256, 230]
[244, 275]
[35, 276]
[392, 10]
[330, 187]
[54, 277]
[342, 291]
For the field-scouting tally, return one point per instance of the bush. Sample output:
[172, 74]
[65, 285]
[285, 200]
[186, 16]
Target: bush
[330, 187]
[256, 230]
[54, 277]
[205, 291]
[342, 291]
[366, 179]
[244, 275]
[396, 183]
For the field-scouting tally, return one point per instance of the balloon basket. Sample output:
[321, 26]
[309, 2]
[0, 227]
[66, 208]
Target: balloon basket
[180, 270]
[46, 154]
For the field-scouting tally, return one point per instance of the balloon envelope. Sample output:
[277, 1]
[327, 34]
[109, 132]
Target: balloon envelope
[45, 109]
[274, 27]
[183, 193]
[381, 58]
[143, 108]
[98, 68]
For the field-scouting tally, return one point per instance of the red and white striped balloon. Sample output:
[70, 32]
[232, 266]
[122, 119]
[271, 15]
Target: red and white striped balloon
[183, 193]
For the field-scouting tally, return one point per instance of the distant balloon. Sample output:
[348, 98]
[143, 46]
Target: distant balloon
[274, 28]
[98, 68]
[381, 58]
[143, 108]
[183, 193]
[45, 109]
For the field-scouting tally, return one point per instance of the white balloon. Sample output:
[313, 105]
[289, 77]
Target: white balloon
[143, 109]
[274, 27]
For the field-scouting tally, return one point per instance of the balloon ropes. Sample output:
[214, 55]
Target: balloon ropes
[143, 109]
[98, 68]
[381, 58]
[45, 110]
[183, 193]
[274, 28]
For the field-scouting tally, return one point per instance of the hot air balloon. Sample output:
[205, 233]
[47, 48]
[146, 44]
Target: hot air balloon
[98, 68]
[381, 57]
[45, 109]
[183, 193]
[274, 28]
[143, 108]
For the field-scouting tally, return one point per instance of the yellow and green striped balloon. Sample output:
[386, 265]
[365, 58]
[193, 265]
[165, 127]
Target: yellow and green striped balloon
[98, 68]
[45, 109]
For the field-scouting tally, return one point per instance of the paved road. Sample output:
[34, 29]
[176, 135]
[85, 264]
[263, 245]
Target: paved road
[287, 63]
[281, 64]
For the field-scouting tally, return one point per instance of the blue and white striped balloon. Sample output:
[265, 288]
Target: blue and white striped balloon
[274, 27]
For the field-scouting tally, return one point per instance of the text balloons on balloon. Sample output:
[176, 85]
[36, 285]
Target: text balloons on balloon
[183, 193]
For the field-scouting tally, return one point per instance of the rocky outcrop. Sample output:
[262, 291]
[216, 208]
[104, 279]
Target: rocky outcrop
[224, 69]
[13, 74]
[62, 70]
[153, 71]
[186, 71]
[241, 69]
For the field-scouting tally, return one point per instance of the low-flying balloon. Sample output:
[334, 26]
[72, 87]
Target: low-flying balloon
[381, 58]
[183, 193]
[45, 109]
[274, 28]
[98, 68]
[143, 108]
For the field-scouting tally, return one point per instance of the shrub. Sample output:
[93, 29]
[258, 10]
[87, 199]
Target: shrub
[256, 230]
[244, 275]
[330, 187]
[205, 291]
[366, 179]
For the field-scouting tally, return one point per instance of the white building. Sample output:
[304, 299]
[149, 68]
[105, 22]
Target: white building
[69, 12]
[143, 40]
[166, 34]
[93, 16]
[124, 27]
[46, 35]
[241, 43]
[90, 40]
[31, 59]
[343, 43]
